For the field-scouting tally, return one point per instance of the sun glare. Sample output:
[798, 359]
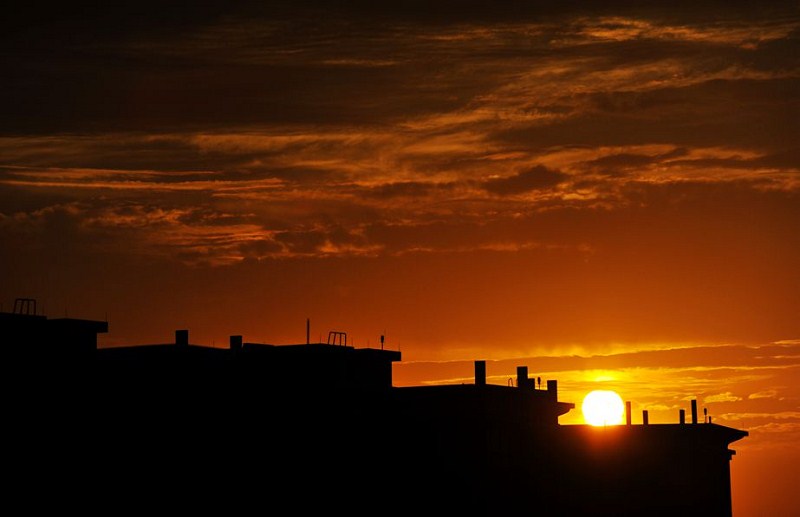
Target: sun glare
[603, 407]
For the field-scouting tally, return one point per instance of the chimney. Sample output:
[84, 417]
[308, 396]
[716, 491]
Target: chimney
[522, 376]
[683, 416]
[552, 389]
[182, 337]
[628, 415]
[645, 417]
[694, 411]
[480, 373]
[236, 343]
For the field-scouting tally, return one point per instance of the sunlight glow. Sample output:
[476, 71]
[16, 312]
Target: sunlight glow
[603, 407]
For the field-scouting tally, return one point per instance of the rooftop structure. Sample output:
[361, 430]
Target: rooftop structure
[320, 427]
[25, 333]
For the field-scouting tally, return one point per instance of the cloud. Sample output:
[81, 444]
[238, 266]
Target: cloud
[259, 248]
[766, 394]
[537, 178]
[374, 67]
[404, 189]
[722, 397]
[622, 29]
[782, 415]
[624, 161]
[789, 430]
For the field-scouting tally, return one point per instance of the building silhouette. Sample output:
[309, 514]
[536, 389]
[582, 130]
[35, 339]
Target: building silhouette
[319, 427]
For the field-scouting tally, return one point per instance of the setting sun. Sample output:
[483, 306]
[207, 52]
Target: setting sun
[603, 407]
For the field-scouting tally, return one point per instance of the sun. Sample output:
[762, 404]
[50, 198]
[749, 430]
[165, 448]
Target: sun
[603, 407]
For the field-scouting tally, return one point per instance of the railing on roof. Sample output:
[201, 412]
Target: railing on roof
[25, 306]
[337, 338]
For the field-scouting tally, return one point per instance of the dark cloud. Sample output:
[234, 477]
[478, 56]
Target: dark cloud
[537, 178]
[414, 189]
[122, 98]
[621, 162]
[149, 67]
[778, 54]
[743, 113]
[260, 248]
[789, 158]
[304, 242]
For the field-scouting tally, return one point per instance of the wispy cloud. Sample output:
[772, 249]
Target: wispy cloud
[766, 394]
[722, 397]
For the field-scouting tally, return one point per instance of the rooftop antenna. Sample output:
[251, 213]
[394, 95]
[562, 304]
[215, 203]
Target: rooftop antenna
[382, 338]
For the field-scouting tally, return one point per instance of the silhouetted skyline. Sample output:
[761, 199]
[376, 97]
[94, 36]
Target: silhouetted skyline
[321, 427]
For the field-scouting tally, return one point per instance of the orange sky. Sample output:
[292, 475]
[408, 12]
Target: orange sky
[753, 388]
[609, 195]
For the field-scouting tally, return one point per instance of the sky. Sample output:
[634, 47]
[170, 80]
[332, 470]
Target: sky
[608, 193]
